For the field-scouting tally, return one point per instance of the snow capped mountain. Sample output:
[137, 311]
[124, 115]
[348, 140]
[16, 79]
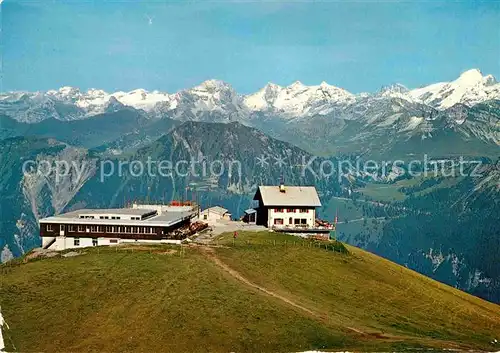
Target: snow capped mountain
[395, 90]
[470, 88]
[142, 99]
[212, 100]
[217, 101]
[32, 107]
[298, 99]
[95, 101]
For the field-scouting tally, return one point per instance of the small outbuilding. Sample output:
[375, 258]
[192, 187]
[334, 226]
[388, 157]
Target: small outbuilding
[250, 216]
[213, 214]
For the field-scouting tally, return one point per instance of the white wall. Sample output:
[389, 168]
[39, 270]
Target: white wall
[148, 241]
[63, 243]
[310, 217]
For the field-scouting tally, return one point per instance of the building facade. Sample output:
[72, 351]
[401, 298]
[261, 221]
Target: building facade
[287, 207]
[96, 227]
[291, 216]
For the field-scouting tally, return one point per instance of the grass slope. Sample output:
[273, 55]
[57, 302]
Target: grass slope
[293, 297]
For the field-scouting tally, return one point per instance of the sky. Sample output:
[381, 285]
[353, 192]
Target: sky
[171, 45]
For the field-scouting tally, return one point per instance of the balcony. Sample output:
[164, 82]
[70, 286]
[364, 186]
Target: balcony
[301, 228]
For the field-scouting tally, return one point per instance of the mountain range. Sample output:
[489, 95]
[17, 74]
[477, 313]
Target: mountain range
[323, 119]
[219, 98]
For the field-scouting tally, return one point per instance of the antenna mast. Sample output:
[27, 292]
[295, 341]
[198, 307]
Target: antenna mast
[335, 221]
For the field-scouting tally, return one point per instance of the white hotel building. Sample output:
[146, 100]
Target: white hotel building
[288, 208]
[95, 227]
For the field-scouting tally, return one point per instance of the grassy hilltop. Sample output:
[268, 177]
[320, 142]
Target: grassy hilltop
[262, 292]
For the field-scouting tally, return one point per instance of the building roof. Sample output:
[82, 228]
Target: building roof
[250, 211]
[158, 220]
[108, 211]
[216, 209]
[305, 196]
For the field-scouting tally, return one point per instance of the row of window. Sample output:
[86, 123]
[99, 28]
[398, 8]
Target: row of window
[104, 229]
[106, 217]
[291, 210]
[294, 221]
[76, 241]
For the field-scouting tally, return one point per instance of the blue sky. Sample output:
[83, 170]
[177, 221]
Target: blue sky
[359, 46]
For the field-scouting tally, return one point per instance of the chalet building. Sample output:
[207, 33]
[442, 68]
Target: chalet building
[288, 208]
[93, 227]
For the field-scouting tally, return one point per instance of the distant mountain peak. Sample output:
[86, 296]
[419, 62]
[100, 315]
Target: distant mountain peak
[297, 99]
[213, 85]
[68, 90]
[490, 80]
[470, 77]
[395, 87]
[470, 88]
[296, 84]
[271, 85]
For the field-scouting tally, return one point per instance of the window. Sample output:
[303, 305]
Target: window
[113, 241]
[134, 230]
[290, 220]
[94, 241]
[81, 228]
[151, 230]
[109, 229]
[278, 210]
[93, 229]
[50, 228]
[205, 216]
[101, 217]
[82, 216]
[61, 227]
[304, 210]
[71, 228]
[127, 229]
[76, 241]
[303, 221]
[278, 221]
[290, 210]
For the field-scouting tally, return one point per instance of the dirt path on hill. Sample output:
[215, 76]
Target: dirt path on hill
[210, 253]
